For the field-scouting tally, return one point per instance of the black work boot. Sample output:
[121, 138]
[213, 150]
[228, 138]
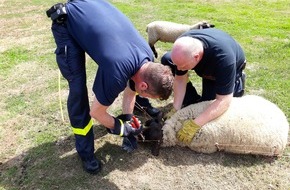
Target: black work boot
[191, 96]
[92, 165]
[240, 86]
[243, 83]
[146, 106]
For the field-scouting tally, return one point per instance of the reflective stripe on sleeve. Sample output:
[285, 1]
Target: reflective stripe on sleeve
[121, 128]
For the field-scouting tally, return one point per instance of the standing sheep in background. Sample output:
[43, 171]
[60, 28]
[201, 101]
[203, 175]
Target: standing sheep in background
[165, 31]
[252, 125]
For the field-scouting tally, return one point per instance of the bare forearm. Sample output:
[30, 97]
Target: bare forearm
[179, 90]
[128, 103]
[215, 109]
[99, 113]
[106, 119]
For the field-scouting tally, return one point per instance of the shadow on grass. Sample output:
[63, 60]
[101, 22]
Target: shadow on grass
[56, 165]
[51, 166]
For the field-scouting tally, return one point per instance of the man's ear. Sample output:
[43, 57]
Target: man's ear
[195, 56]
[143, 86]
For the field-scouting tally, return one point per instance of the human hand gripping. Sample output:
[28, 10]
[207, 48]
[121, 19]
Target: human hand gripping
[187, 132]
[129, 142]
[125, 128]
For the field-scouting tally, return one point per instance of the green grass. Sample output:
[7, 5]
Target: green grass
[37, 145]
[261, 27]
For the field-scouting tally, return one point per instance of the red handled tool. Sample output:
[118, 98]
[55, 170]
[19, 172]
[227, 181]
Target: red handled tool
[135, 123]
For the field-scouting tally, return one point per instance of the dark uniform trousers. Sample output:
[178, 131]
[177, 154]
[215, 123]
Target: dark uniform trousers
[71, 62]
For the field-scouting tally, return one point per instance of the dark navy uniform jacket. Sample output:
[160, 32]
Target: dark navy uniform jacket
[222, 58]
[111, 40]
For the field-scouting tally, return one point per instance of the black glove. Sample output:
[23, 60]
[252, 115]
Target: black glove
[129, 143]
[125, 117]
[125, 128]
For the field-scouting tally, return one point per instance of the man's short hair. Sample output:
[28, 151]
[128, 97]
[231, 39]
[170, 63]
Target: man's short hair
[159, 79]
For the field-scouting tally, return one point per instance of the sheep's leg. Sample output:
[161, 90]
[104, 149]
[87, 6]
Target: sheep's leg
[154, 51]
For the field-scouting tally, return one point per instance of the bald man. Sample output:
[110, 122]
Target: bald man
[219, 60]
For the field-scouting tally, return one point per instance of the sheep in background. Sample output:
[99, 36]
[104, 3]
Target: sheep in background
[252, 125]
[169, 31]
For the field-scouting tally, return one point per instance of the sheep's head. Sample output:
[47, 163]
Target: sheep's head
[204, 24]
[153, 134]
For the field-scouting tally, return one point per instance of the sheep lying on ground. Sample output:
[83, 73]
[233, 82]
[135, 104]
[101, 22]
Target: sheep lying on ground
[169, 31]
[251, 125]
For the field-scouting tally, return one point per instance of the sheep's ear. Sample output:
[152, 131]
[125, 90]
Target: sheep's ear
[158, 120]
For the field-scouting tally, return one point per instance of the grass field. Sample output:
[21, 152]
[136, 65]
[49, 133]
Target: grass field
[37, 144]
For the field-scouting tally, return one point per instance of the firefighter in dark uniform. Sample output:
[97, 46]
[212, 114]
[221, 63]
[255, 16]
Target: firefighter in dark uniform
[219, 60]
[124, 63]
